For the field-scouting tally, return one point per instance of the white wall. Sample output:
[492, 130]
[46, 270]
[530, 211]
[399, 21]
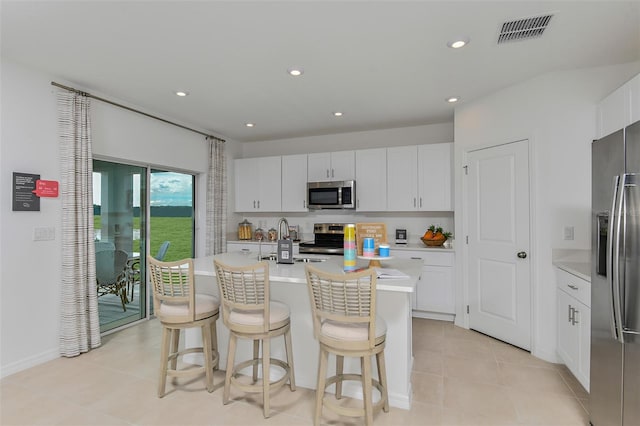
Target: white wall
[556, 113]
[415, 223]
[30, 271]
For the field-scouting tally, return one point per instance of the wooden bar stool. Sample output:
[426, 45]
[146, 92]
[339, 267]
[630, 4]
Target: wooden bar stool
[178, 307]
[346, 325]
[248, 313]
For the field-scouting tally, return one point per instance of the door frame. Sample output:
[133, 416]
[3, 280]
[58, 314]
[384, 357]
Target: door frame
[462, 252]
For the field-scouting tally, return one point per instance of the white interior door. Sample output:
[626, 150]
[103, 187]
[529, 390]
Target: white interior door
[498, 225]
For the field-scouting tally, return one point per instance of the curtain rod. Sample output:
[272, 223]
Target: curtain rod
[71, 89]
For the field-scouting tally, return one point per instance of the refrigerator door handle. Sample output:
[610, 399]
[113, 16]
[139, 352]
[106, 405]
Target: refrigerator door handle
[611, 242]
[615, 242]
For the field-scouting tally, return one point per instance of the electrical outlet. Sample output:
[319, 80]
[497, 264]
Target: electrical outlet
[568, 232]
[44, 233]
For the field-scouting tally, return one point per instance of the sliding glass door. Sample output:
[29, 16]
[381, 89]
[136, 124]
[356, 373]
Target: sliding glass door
[119, 208]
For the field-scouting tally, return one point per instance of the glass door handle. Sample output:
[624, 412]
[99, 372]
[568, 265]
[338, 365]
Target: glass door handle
[522, 254]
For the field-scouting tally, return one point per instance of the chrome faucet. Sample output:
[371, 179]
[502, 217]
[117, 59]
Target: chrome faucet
[283, 235]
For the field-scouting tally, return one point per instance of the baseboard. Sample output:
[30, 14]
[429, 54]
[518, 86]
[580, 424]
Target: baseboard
[24, 364]
[433, 315]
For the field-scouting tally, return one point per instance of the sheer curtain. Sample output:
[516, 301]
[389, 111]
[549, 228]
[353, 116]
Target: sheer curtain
[79, 321]
[216, 199]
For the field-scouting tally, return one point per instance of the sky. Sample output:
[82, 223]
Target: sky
[167, 189]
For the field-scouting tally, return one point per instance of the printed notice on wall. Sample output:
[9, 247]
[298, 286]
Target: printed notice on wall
[24, 200]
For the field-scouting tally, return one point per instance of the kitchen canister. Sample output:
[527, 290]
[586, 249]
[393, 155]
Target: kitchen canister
[350, 247]
[368, 247]
[383, 250]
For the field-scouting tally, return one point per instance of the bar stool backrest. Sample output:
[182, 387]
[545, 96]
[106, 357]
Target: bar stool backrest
[173, 284]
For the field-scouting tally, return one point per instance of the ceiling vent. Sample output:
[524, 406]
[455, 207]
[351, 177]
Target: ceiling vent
[523, 29]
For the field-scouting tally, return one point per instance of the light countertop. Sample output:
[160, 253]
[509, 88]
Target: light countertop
[393, 246]
[573, 261]
[295, 273]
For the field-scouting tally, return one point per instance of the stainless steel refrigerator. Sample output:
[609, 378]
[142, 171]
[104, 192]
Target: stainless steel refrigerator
[615, 280]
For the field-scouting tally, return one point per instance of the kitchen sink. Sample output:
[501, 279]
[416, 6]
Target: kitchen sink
[309, 259]
[271, 256]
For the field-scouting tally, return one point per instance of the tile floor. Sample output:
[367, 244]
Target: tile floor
[460, 377]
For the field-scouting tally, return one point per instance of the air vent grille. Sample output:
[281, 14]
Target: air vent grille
[523, 29]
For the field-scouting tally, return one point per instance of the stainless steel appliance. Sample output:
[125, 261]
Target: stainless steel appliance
[401, 236]
[328, 238]
[615, 279]
[331, 195]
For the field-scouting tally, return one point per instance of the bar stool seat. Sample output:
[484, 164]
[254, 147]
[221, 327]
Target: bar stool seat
[346, 325]
[248, 313]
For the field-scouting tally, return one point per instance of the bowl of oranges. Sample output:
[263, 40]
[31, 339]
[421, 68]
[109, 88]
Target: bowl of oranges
[434, 237]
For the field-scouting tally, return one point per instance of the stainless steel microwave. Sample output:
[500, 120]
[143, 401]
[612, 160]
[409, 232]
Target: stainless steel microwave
[331, 195]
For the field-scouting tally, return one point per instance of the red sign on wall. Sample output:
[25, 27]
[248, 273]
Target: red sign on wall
[46, 188]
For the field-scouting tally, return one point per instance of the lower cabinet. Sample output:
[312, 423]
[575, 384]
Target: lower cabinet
[435, 294]
[253, 246]
[574, 325]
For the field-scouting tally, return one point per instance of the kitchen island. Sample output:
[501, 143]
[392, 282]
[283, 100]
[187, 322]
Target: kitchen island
[289, 285]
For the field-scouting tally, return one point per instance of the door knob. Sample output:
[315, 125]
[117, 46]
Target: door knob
[522, 255]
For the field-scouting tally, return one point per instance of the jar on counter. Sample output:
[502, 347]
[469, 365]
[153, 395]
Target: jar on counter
[259, 234]
[244, 230]
[273, 234]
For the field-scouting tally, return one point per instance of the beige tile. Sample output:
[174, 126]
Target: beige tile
[421, 413]
[428, 342]
[558, 410]
[426, 327]
[427, 388]
[513, 355]
[466, 348]
[573, 383]
[428, 362]
[479, 370]
[483, 400]
[527, 378]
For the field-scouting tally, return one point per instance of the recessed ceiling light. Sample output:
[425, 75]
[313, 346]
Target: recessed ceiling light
[249, 124]
[181, 93]
[337, 114]
[458, 42]
[453, 99]
[295, 71]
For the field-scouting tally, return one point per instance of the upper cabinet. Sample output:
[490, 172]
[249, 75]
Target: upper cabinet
[294, 185]
[371, 180]
[619, 109]
[402, 178]
[328, 166]
[258, 184]
[435, 177]
[420, 178]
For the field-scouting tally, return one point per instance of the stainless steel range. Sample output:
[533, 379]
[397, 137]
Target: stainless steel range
[328, 238]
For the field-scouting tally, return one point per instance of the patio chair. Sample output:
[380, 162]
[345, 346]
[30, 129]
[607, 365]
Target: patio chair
[111, 274]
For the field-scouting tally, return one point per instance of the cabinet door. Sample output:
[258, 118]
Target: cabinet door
[402, 179]
[319, 167]
[634, 101]
[583, 318]
[294, 183]
[435, 290]
[343, 165]
[371, 179]
[434, 177]
[270, 184]
[612, 112]
[567, 332]
[247, 189]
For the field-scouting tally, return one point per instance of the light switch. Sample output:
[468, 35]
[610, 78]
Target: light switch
[568, 232]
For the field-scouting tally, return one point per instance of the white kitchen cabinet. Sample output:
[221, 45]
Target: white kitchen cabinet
[435, 292]
[258, 184]
[402, 178]
[435, 177]
[574, 324]
[619, 109]
[328, 166]
[294, 184]
[371, 180]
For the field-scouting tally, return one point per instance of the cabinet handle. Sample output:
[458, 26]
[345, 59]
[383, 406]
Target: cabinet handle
[258, 203]
[332, 173]
[304, 204]
[572, 287]
[254, 204]
[327, 172]
[358, 202]
[573, 320]
[569, 318]
[416, 258]
[420, 201]
[414, 201]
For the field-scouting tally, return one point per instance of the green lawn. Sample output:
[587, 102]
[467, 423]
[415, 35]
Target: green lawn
[177, 230]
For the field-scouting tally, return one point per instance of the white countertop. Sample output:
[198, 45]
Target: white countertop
[393, 246]
[579, 269]
[295, 273]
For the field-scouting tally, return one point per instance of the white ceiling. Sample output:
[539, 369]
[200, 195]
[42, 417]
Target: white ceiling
[384, 64]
